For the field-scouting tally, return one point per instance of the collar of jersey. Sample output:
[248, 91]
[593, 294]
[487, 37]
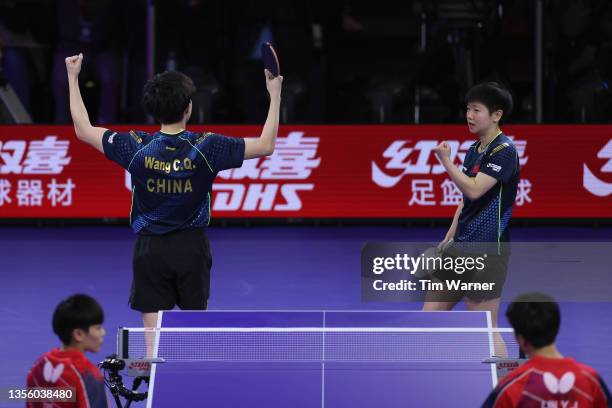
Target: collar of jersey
[172, 134]
[72, 353]
[488, 144]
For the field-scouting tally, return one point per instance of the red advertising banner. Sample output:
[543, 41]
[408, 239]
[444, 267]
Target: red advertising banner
[317, 172]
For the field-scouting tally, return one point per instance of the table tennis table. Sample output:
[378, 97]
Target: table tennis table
[321, 359]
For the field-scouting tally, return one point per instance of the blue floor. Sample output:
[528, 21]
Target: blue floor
[253, 268]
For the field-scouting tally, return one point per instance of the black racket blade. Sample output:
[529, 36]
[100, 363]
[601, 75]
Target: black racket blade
[270, 59]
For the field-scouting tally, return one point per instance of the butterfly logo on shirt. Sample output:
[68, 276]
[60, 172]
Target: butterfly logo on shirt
[559, 385]
[52, 374]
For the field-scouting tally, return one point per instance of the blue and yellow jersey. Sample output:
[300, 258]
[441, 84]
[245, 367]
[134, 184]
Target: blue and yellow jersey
[486, 219]
[172, 175]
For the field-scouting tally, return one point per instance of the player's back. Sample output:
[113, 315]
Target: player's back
[549, 382]
[172, 175]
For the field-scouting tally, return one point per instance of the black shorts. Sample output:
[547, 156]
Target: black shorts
[171, 269]
[490, 280]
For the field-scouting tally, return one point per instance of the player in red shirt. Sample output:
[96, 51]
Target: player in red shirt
[77, 321]
[547, 379]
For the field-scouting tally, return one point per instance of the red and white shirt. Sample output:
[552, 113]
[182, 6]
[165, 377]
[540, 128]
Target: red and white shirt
[68, 368]
[550, 383]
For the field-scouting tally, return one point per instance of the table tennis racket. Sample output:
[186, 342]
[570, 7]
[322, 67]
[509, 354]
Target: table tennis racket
[270, 59]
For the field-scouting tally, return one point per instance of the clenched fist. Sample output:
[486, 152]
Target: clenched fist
[443, 151]
[73, 65]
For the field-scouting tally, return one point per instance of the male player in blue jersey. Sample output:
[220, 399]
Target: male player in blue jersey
[488, 181]
[172, 174]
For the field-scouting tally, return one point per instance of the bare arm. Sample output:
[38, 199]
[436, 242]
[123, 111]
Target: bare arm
[265, 143]
[472, 187]
[453, 228]
[82, 126]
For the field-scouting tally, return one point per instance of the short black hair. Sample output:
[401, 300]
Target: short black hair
[492, 95]
[76, 312]
[167, 95]
[536, 317]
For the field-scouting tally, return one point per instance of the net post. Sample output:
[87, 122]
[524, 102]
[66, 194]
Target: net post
[491, 336]
[123, 343]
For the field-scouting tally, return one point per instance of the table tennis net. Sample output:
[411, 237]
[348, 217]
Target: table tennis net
[311, 345]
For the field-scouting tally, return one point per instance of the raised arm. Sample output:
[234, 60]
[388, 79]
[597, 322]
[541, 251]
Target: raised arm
[264, 144]
[472, 187]
[82, 126]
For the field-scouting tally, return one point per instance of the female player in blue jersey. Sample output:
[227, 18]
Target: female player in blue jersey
[488, 181]
[172, 174]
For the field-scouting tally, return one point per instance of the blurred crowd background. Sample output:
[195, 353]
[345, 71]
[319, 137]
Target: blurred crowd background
[345, 61]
